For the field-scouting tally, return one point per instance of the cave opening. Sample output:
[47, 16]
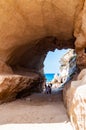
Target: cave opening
[31, 60]
[59, 67]
[47, 64]
[55, 98]
[52, 61]
[35, 28]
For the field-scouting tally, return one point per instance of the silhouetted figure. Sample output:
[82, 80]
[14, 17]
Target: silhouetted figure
[48, 88]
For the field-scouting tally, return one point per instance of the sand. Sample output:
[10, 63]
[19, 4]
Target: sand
[35, 110]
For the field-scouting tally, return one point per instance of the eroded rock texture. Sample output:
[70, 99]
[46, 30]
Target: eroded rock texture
[14, 86]
[80, 34]
[30, 28]
[75, 101]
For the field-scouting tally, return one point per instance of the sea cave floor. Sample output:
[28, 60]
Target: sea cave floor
[36, 109]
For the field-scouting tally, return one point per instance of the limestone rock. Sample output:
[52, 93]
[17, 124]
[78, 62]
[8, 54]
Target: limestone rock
[80, 34]
[81, 75]
[78, 108]
[5, 69]
[68, 92]
[11, 85]
[75, 101]
[30, 28]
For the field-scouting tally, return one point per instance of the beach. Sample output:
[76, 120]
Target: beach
[39, 108]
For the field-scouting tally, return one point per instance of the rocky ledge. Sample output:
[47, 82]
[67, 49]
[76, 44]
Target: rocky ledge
[13, 85]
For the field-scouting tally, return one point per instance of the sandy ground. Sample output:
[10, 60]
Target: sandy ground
[35, 109]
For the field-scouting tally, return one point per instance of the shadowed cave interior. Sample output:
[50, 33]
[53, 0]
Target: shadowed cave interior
[26, 59]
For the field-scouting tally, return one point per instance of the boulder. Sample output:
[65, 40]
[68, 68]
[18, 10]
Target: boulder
[77, 109]
[12, 86]
[75, 101]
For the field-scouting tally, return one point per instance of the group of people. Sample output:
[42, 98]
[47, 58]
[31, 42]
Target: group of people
[48, 88]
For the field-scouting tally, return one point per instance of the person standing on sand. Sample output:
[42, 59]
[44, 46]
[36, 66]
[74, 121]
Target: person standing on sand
[48, 88]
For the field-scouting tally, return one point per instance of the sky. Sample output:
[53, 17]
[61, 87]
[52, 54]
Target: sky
[51, 63]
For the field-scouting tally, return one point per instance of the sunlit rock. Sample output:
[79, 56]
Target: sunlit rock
[78, 108]
[68, 65]
[75, 101]
[28, 30]
[31, 28]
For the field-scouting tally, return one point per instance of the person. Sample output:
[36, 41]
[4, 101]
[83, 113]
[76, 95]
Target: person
[49, 88]
[46, 88]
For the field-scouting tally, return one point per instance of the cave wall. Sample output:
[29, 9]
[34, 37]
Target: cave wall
[74, 96]
[80, 34]
[30, 28]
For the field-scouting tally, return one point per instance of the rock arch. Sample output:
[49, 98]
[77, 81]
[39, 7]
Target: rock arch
[28, 30]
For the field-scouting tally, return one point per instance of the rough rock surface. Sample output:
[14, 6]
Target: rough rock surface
[28, 30]
[31, 28]
[75, 101]
[78, 108]
[80, 34]
[68, 93]
[14, 86]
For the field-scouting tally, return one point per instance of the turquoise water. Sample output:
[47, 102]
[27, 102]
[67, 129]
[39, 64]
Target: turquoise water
[49, 77]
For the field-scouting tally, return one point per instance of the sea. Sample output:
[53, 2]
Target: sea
[49, 76]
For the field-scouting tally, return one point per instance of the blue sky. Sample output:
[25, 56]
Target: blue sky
[51, 63]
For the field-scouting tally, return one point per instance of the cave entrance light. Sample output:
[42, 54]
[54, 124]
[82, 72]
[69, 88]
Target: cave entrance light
[60, 65]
